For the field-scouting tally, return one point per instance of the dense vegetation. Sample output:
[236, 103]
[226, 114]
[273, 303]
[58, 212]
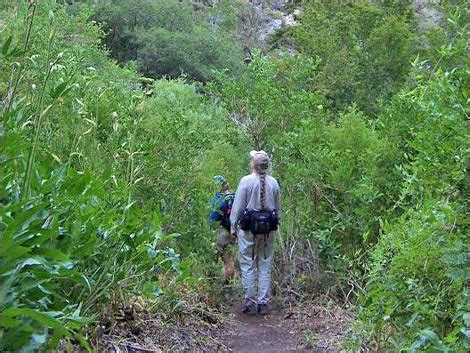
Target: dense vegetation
[168, 38]
[107, 166]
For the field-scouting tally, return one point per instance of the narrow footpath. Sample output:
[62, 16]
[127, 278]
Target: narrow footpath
[308, 329]
[257, 333]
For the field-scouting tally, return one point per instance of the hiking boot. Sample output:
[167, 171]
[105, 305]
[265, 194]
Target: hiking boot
[250, 308]
[263, 309]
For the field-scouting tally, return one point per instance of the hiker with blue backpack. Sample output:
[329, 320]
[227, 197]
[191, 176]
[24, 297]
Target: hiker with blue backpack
[221, 205]
[254, 219]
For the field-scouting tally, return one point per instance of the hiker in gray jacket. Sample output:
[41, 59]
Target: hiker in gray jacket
[257, 191]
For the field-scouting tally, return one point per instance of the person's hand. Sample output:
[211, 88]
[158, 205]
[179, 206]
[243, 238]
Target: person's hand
[233, 237]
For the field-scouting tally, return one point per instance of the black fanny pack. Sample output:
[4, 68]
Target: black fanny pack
[259, 221]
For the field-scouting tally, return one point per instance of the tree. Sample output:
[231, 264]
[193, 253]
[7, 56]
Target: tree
[168, 38]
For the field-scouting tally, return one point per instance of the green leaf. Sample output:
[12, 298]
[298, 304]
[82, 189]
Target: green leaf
[24, 218]
[6, 45]
[16, 252]
[5, 288]
[14, 53]
[38, 316]
[83, 342]
[39, 339]
[76, 277]
[58, 90]
[412, 320]
[9, 322]
[425, 336]
[52, 253]
[31, 262]
[466, 319]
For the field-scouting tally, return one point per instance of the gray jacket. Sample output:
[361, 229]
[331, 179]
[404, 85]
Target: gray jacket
[248, 196]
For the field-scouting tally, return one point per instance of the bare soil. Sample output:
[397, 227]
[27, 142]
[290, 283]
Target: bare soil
[321, 327]
[308, 328]
[258, 333]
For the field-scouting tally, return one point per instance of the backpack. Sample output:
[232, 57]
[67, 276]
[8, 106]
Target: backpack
[259, 221]
[225, 208]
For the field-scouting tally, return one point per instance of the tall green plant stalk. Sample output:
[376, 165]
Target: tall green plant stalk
[130, 167]
[131, 170]
[38, 116]
[11, 95]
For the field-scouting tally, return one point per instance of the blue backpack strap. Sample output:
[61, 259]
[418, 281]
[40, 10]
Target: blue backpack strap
[215, 215]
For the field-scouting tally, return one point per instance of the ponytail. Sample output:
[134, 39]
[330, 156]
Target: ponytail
[262, 191]
[261, 171]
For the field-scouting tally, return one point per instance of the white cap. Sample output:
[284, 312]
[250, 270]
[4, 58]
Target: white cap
[259, 157]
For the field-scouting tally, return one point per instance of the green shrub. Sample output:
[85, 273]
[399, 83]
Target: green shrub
[417, 295]
[91, 201]
[364, 50]
[169, 38]
[415, 298]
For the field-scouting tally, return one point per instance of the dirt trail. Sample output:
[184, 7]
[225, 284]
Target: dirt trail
[309, 327]
[306, 327]
[259, 334]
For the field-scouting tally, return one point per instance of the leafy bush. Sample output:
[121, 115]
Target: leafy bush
[185, 142]
[168, 38]
[417, 296]
[81, 225]
[364, 50]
